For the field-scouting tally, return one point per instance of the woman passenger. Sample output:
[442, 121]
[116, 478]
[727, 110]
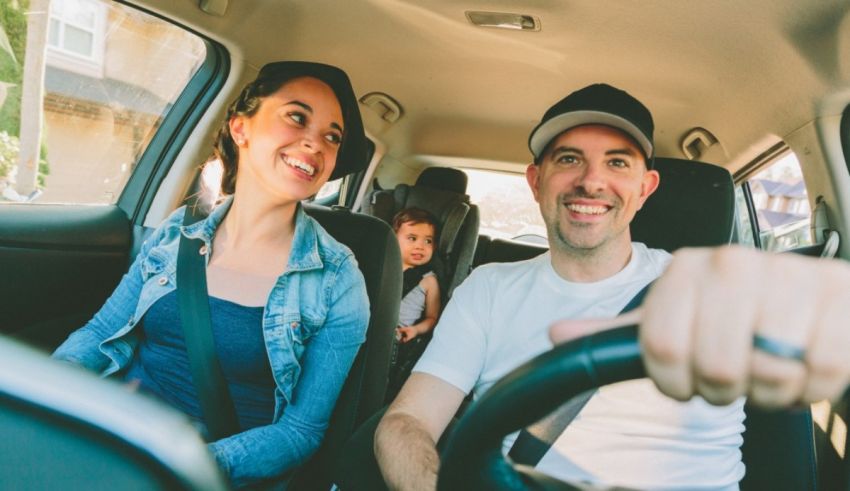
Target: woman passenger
[288, 302]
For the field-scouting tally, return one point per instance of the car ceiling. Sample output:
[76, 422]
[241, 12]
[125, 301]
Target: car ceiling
[750, 72]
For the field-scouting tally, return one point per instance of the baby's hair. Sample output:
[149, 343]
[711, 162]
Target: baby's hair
[414, 216]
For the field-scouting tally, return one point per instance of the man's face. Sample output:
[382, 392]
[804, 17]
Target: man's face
[590, 183]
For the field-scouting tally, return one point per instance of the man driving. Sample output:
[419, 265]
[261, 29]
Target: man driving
[592, 172]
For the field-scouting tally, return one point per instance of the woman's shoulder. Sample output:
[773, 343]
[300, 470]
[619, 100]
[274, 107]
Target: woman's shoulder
[168, 228]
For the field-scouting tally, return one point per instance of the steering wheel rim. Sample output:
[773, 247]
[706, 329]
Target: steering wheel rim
[473, 456]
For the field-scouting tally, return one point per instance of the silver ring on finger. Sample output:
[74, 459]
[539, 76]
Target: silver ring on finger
[778, 348]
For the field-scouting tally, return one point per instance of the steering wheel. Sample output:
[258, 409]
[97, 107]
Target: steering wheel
[473, 457]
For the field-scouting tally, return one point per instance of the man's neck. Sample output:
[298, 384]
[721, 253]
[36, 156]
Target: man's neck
[587, 266]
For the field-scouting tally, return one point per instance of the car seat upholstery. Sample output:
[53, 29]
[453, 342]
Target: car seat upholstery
[442, 192]
[695, 206]
[65, 428]
[375, 247]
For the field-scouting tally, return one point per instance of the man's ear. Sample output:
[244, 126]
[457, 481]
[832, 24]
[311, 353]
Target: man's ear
[649, 184]
[532, 175]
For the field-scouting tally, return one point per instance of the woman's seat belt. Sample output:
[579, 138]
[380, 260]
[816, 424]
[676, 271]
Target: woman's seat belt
[193, 299]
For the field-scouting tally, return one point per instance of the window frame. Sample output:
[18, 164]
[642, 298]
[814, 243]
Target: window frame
[176, 128]
[742, 180]
[750, 210]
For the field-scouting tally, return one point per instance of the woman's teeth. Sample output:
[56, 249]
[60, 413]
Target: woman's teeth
[304, 166]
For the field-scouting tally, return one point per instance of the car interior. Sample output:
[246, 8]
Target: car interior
[751, 103]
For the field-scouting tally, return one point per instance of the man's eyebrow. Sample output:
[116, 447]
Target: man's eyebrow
[622, 151]
[562, 149]
[309, 109]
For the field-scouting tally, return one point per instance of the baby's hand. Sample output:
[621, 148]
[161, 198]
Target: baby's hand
[406, 334]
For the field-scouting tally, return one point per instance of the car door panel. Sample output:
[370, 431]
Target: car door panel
[57, 266]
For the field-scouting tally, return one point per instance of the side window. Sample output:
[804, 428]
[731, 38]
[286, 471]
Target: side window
[779, 215]
[506, 205]
[110, 75]
[329, 192]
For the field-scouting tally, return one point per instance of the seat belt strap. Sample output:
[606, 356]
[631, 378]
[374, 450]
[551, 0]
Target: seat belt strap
[193, 299]
[534, 441]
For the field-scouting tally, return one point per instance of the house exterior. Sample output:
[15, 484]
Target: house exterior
[102, 103]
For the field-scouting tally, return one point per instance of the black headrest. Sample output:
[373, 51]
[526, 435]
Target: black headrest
[444, 178]
[694, 205]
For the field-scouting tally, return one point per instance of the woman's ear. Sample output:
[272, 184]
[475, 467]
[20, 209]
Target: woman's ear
[237, 130]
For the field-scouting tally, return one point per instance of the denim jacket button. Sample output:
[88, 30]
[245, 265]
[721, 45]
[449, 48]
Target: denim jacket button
[163, 280]
[203, 250]
[294, 324]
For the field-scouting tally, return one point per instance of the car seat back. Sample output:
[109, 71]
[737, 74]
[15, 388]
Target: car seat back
[442, 192]
[375, 247]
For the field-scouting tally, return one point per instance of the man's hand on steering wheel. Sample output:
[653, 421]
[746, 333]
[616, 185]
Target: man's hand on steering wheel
[726, 322]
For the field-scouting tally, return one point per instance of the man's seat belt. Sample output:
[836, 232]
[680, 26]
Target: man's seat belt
[193, 299]
[535, 440]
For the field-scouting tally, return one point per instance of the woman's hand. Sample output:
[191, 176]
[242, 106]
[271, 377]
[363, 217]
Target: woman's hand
[726, 322]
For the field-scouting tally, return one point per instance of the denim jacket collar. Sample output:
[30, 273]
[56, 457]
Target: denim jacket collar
[304, 254]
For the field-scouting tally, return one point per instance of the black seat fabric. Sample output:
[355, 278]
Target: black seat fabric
[779, 450]
[376, 250]
[65, 428]
[441, 191]
[693, 206]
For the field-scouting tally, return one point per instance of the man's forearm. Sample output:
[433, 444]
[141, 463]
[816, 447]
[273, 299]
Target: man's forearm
[406, 453]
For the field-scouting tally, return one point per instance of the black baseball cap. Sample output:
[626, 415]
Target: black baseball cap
[353, 150]
[596, 104]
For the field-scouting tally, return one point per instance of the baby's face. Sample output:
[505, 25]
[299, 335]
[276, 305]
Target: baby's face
[416, 241]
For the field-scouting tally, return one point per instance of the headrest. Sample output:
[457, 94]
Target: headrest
[444, 178]
[694, 205]
[449, 208]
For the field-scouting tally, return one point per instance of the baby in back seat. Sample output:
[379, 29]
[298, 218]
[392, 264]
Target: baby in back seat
[416, 231]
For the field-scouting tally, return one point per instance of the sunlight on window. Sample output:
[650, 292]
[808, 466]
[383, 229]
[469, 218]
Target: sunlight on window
[831, 424]
[211, 176]
[782, 205]
[507, 207]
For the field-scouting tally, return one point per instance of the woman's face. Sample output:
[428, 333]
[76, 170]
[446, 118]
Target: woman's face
[288, 148]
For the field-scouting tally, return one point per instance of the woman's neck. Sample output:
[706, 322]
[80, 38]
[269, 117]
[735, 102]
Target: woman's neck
[254, 238]
[250, 223]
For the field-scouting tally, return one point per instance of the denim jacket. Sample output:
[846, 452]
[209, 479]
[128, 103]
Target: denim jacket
[314, 321]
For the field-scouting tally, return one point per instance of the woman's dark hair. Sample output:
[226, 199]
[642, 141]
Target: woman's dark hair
[352, 153]
[415, 216]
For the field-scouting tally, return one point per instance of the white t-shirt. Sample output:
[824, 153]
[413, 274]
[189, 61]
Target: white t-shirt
[628, 434]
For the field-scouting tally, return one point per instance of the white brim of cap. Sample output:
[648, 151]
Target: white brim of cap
[563, 122]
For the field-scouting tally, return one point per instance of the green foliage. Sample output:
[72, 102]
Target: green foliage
[10, 147]
[14, 20]
[14, 23]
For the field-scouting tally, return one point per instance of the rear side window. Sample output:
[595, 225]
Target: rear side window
[506, 206]
[773, 206]
[110, 74]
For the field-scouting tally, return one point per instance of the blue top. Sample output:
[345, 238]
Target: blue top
[161, 364]
[313, 324]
